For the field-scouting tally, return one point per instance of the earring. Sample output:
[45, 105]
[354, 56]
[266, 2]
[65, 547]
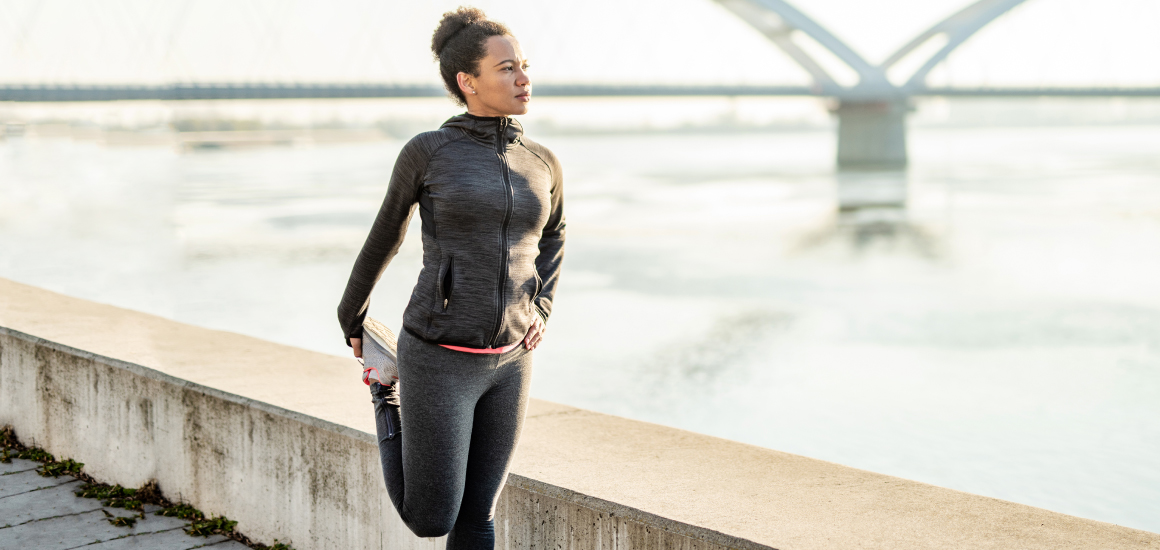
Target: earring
[473, 91]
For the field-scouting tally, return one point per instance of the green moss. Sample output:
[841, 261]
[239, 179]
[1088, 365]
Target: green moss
[122, 521]
[214, 526]
[35, 454]
[57, 469]
[277, 546]
[113, 496]
[8, 438]
[182, 511]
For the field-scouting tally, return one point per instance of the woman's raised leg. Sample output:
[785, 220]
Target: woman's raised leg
[425, 467]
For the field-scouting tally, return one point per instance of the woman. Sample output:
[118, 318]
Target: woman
[491, 204]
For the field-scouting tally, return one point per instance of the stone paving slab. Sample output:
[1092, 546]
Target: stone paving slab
[229, 545]
[23, 482]
[64, 532]
[175, 539]
[45, 503]
[17, 465]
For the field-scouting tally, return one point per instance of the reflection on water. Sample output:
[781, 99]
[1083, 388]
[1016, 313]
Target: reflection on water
[871, 214]
[875, 192]
[987, 321]
[712, 354]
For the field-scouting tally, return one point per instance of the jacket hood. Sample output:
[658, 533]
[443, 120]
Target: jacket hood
[488, 129]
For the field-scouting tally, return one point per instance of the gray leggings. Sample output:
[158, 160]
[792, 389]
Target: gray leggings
[461, 418]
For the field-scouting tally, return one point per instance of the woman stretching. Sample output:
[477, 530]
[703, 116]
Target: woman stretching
[491, 205]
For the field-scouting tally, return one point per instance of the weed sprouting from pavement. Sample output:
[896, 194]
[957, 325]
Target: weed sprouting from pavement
[114, 496]
[182, 511]
[123, 521]
[214, 526]
[59, 468]
[120, 521]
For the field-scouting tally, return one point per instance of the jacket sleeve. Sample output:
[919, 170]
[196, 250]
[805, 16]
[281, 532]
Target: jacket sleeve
[385, 238]
[551, 242]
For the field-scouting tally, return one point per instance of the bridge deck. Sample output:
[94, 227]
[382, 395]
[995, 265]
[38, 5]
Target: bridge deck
[178, 92]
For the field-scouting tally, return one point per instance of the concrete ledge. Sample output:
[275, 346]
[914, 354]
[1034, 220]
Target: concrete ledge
[278, 472]
[280, 439]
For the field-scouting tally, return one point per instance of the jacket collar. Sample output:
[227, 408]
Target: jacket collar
[487, 129]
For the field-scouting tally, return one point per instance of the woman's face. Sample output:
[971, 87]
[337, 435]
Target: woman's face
[502, 87]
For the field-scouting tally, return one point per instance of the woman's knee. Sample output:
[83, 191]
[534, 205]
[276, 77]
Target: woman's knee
[430, 517]
[431, 526]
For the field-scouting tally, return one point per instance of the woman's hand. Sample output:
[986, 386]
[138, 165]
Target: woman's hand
[535, 333]
[356, 343]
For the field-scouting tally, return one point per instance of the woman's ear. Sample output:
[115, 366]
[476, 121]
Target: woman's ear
[466, 83]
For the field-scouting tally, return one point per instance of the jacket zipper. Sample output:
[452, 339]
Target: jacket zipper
[510, 198]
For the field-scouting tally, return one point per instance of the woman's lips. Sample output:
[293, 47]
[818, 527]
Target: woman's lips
[525, 97]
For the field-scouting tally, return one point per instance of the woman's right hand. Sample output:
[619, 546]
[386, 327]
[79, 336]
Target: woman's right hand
[356, 343]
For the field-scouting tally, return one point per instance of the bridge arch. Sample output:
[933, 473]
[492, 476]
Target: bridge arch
[776, 19]
[957, 28]
[872, 113]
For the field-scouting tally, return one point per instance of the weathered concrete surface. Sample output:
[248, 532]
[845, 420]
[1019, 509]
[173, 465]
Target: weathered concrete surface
[28, 480]
[279, 439]
[46, 502]
[279, 474]
[17, 465]
[169, 540]
[64, 532]
[45, 514]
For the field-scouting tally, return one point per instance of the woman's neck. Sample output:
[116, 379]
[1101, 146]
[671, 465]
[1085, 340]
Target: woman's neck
[485, 114]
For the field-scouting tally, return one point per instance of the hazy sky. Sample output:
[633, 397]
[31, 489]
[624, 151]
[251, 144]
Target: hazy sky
[1041, 43]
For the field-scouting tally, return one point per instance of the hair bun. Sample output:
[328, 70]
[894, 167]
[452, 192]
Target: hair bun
[459, 43]
[452, 23]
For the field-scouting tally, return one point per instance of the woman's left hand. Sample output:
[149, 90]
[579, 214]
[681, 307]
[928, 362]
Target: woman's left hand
[535, 333]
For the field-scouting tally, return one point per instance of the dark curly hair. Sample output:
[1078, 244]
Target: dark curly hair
[459, 42]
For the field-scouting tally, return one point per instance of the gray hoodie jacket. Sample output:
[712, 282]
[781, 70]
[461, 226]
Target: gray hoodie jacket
[492, 208]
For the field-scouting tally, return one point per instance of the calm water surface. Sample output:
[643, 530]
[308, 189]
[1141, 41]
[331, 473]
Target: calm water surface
[988, 321]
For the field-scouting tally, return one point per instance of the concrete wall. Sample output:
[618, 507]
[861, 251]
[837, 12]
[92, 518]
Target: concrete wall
[279, 473]
[279, 440]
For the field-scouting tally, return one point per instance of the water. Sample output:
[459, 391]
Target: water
[988, 321]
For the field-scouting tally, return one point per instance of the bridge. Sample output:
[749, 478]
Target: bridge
[870, 101]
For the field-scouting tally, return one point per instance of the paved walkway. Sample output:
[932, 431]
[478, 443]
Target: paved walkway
[42, 513]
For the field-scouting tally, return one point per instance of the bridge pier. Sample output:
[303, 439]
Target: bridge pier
[872, 134]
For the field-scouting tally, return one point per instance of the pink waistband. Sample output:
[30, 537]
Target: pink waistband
[504, 349]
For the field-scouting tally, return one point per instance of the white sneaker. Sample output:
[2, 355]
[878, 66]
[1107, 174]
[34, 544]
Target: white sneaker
[380, 356]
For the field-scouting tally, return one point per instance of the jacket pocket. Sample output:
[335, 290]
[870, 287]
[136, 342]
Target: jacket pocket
[446, 285]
